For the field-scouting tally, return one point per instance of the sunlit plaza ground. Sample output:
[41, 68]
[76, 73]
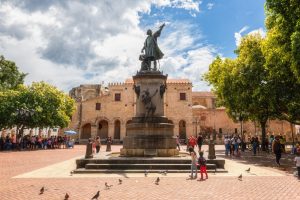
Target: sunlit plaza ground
[24, 173]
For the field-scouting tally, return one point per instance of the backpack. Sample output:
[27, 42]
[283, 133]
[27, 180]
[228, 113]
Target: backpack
[202, 161]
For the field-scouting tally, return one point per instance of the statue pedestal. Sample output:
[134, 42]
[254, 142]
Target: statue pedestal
[211, 150]
[150, 133]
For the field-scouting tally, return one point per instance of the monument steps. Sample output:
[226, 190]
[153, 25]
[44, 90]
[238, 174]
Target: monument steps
[142, 160]
[139, 164]
[118, 171]
[158, 166]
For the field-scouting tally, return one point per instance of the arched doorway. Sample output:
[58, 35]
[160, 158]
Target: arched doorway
[86, 132]
[117, 129]
[182, 129]
[102, 130]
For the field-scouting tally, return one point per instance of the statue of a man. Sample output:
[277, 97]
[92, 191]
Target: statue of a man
[149, 105]
[152, 51]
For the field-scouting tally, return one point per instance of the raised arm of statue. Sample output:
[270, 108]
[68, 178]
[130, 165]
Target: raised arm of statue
[157, 33]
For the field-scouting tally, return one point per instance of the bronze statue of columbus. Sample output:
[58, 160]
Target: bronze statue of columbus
[152, 51]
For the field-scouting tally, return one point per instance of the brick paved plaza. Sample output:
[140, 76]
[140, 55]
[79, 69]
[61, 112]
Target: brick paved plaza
[24, 173]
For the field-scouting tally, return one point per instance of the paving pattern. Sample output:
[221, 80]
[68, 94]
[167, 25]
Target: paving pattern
[22, 174]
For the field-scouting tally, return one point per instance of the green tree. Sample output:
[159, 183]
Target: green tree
[282, 53]
[52, 108]
[242, 84]
[283, 24]
[10, 77]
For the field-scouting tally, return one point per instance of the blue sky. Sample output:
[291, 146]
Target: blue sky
[68, 43]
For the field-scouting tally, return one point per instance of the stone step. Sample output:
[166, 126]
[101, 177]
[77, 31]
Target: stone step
[158, 166]
[134, 160]
[118, 171]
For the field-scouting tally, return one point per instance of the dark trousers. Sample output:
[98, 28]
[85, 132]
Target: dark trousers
[298, 168]
[278, 156]
[97, 149]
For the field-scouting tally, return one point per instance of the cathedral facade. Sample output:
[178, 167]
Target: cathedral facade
[105, 111]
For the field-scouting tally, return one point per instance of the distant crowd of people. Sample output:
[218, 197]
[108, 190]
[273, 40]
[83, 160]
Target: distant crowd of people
[28, 142]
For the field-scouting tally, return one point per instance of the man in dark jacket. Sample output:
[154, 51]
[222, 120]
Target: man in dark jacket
[277, 149]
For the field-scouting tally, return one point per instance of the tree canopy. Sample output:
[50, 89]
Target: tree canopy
[52, 108]
[10, 77]
[242, 84]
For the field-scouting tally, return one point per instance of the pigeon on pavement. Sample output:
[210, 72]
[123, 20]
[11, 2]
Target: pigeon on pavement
[96, 196]
[42, 190]
[248, 170]
[240, 177]
[67, 196]
[157, 181]
[107, 186]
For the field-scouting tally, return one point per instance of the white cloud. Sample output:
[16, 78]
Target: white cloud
[68, 43]
[238, 35]
[210, 6]
[192, 5]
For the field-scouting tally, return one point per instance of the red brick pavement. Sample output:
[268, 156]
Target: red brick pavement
[15, 163]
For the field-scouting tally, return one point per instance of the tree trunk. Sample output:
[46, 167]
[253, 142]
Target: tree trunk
[263, 134]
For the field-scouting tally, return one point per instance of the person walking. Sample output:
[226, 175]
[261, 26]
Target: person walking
[277, 149]
[98, 144]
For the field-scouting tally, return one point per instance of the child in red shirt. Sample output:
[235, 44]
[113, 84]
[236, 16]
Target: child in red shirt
[202, 164]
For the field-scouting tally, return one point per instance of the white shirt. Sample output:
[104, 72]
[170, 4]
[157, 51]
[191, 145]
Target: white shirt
[226, 141]
[297, 160]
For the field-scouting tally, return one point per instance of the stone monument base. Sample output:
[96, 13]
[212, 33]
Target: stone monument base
[149, 152]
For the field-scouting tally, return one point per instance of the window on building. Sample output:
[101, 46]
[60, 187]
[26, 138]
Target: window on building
[235, 130]
[220, 130]
[98, 106]
[182, 96]
[117, 96]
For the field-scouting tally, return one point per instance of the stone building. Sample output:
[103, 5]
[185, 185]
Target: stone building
[105, 111]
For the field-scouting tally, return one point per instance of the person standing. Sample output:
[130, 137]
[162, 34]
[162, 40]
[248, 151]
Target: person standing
[108, 143]
[98, 144]
[178, 142]
[297, 162]
[193, 165]
[202, 164]
[199, 142]
[254, 145]
[277, 149]
[227, 145]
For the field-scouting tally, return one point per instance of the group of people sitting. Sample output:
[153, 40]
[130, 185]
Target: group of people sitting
[34, 142]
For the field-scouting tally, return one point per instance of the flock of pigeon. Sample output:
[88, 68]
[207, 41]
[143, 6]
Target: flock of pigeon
[240, 177]
[107, 186]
